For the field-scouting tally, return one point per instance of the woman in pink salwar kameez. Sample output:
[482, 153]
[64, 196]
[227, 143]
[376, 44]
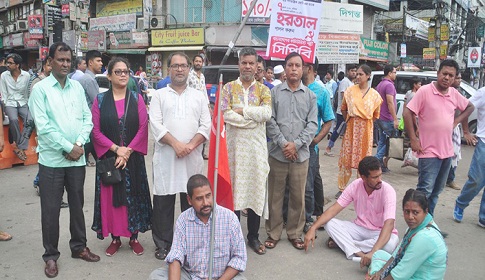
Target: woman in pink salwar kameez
[122, 209]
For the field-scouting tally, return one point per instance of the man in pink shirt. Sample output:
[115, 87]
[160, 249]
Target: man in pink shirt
[375, 206]
[434, 105]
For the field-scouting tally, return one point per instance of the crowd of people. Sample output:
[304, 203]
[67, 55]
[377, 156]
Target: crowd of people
[273, 130]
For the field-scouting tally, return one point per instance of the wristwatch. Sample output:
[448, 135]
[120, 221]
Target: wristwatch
[78, 143]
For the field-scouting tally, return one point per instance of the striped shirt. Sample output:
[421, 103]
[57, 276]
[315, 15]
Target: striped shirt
[191, 244]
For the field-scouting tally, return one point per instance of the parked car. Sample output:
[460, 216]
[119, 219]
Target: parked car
[403, 83]
[212, 74]
[103, 84]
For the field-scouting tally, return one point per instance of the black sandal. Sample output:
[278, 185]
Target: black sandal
[161, 253]
[257, 246]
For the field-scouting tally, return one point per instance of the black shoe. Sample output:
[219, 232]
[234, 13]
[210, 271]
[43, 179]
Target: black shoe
[64, 204]
[307, 226]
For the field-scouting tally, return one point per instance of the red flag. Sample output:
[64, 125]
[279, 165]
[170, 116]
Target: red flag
[224, 188]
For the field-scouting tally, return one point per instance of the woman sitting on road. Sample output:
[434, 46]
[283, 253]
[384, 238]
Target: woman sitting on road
[123, 209]
[422, 253]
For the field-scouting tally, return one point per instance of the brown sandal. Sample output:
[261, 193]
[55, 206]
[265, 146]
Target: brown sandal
[270, 243]
[257, 246]
[297, 243]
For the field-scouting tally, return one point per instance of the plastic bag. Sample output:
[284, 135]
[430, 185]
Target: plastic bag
[410, 159]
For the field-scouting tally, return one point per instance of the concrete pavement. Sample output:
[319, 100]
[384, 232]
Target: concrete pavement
[20, 258]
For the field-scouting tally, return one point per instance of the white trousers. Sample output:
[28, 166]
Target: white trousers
[352, 238]
[162, 274]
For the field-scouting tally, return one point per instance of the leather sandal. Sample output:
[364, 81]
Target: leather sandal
[331, 244]
[270, 243]
[297, 243]
[161, 253]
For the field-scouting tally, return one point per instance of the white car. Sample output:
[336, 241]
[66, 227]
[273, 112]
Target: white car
[403, 83]
[103, 84]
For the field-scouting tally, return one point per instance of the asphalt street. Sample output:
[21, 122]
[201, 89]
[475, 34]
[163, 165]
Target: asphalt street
[21, 258]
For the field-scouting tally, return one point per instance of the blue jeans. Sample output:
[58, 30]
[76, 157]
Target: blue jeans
[433, 173]
[476, 181]
[334, 136]
[451, 175]
[314, 185]
[386, 129]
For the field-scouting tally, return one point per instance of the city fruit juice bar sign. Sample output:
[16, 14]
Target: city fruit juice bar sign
[184, 36]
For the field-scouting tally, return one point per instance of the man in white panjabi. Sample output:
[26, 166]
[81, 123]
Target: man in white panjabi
[246, 104]
[180, 123]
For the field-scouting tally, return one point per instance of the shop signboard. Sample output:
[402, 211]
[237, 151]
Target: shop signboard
[128, 40]
[294, 28]
[97, 40]
[429, 53]
[474, 57]
[374, 50]
[13, 40]
[72, 11]
[113, 23]
[381, 4]
[342, 18]
[35, 26]
[29, 42]
[54, 13]
[69, 37]
[106, 8]
[419, 26]
[65, 8]
[443, 51]
[261, 12]
[483, 54]
[183, 36]
[338, 48]
[444, 32]
[432, 34]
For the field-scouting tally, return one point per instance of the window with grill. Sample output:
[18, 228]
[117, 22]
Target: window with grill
[205, 11]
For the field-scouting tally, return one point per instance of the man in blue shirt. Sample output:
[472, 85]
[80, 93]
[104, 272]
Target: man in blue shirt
[164, 83]
[63, 121]
[314, 184]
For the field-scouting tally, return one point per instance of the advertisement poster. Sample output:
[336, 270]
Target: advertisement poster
[35, 26]
[474, 57]
[429, 53]
[294, 28]
[43, 53]
[261, 12]
[338, 48]
[113, 23]
[97, 40]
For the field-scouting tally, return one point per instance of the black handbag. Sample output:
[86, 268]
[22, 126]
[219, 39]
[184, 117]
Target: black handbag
[110, 175]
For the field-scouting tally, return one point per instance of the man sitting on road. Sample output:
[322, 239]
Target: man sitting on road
[189, 255]
[375, 206]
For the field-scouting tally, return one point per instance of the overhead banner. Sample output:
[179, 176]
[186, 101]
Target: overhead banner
[294, 28]
[374, 50]
[474, 57]
[338, 48]
[183, 36]
[342, 18]
[106, 8]
[261, 12]
[35, 26]
[418, 26]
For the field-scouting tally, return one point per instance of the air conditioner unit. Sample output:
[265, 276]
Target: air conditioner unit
[140, 23]
[22, 25]
[67, 24]
[157, 22]
[11, 27]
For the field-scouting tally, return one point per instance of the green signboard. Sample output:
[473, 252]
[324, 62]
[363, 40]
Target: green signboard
[373, 50]
[481, 31]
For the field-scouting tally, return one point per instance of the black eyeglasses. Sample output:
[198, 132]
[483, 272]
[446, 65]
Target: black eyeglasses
[121, 72]
[177, 66]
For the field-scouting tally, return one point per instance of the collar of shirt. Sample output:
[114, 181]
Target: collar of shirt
[53, 81]
[239, 82]
[437, 92]
[193, 217]
[90, 73]
[286, 87]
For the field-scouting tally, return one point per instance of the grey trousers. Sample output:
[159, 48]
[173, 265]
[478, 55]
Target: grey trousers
[162, 274]
[20, 138]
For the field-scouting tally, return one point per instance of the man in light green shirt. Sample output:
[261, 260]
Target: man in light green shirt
[63, 120]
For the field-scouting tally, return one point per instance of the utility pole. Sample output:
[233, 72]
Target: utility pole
[439, 4]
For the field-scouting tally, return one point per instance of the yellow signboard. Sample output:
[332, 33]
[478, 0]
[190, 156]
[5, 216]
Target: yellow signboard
[443, 51]
[183, 36]
[431, 34]
[444, 32]
[106, 8]
[429, 53]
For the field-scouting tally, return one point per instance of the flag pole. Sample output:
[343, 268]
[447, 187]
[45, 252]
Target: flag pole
[216, 175]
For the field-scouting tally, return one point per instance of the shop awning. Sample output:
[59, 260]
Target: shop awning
[172, 49]
[126, 51]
